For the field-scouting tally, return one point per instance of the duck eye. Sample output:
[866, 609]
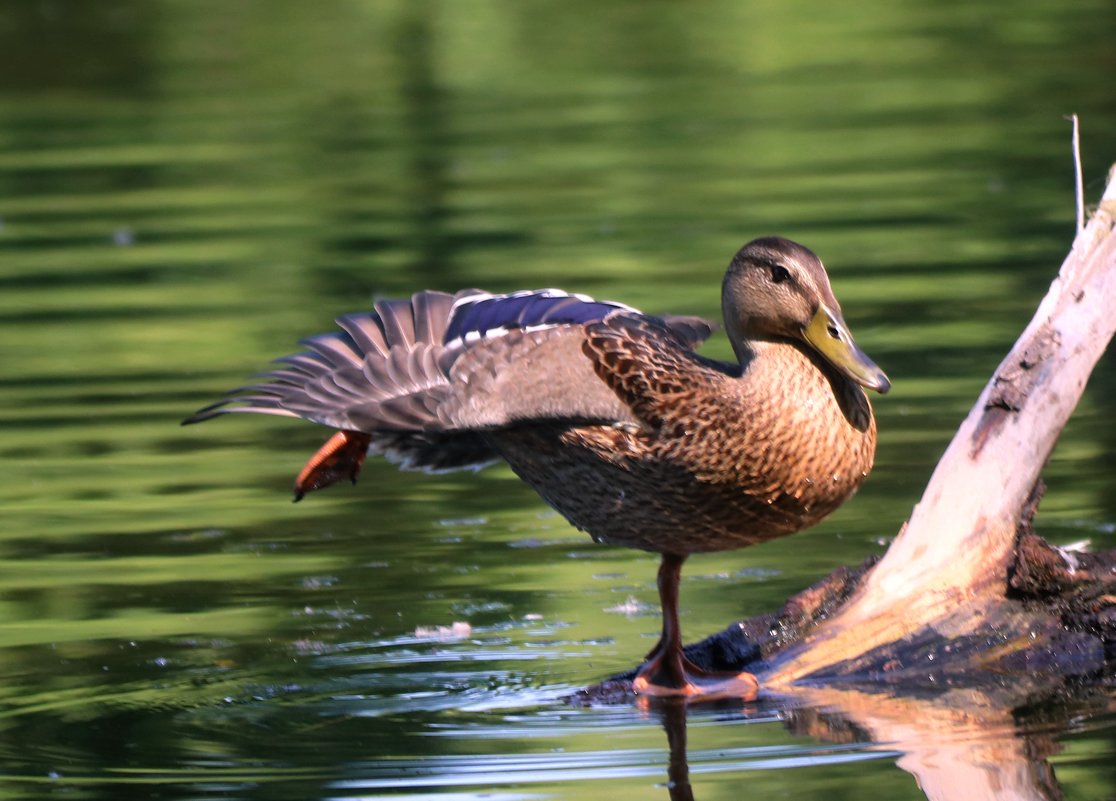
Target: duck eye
[779, 274]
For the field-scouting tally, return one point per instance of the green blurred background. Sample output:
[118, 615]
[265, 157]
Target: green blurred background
[186, 188]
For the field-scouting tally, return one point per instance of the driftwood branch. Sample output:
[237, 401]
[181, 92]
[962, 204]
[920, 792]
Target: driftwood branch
[1078, 180]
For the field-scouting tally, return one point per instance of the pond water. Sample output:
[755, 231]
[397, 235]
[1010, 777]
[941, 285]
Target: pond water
[186, 188]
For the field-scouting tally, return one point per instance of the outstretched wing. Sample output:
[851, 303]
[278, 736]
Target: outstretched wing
[420, 380]
[382, 371]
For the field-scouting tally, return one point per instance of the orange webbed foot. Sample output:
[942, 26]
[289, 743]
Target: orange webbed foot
[672, 675]
[340, 457]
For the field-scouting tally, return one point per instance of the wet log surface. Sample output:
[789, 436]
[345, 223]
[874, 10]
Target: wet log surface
[967, 595]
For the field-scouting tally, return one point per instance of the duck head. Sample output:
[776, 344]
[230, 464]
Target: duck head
[776, 289]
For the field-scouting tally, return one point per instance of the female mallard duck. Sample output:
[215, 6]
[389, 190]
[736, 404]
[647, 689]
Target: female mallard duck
[608, 413]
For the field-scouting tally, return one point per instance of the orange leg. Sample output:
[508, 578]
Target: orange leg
[667, 671]
[340, 457]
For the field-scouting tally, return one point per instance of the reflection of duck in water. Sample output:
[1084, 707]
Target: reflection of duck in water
[608, 413]
[678, 769]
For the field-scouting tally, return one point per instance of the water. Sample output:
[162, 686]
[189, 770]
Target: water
[187, 188]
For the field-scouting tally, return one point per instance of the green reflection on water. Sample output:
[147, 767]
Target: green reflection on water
[187, 188]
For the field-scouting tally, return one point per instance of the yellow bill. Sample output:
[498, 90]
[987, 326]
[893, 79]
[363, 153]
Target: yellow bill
[830, 337]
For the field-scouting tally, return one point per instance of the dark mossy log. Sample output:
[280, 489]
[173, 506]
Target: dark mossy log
[967, 593]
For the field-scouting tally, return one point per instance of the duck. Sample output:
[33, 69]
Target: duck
[608, 413]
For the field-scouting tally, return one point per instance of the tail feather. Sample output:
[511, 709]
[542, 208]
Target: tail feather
[379, 376]
[350, 381]
[272, 410]
[432, 313]
[272, 377]
[259, 405]
[300, 363]
[404, 366]
[367, 332]
[409, 413]
[337, 348]
[397, 318]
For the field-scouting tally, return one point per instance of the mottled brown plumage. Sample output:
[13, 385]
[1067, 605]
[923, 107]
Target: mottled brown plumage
[721, 461]
[608, 413]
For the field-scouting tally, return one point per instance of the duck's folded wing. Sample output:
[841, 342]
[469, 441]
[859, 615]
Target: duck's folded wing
[650, 367]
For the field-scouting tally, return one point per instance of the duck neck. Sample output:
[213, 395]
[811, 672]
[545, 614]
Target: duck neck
[849, 395]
